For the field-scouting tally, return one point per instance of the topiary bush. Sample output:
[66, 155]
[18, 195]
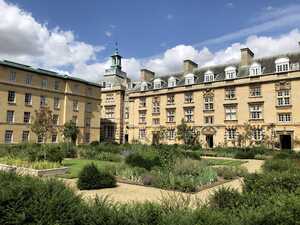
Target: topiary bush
[225, 197]
[231, 172]
[91, 178]
[138, 160]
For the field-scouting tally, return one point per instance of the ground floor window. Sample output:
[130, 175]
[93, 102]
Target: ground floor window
[257, 134]
[8, 136]
[87, 137]
[109, 132]
[54, 138]
[171, 134]
[40, 139]
[25, 136]
[231, 133]
[284, 117]
[142, 133]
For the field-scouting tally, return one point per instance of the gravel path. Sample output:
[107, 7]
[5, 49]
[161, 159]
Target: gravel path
[135, 193]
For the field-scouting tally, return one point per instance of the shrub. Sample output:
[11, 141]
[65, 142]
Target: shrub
[225, 197]
[138, 160]
[54, 153]
[91, 178]
[193, 154]
[148, 179]
[231, 172]
[108, 156]
[245, 154]
[69, 149]
[279, 165]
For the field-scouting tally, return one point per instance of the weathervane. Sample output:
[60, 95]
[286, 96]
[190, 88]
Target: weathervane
[116, 48]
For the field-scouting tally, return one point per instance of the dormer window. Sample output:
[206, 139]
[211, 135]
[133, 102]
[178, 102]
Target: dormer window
[172, 82]
[157, 83]
[255, 69]
[108, 85]
[209, 76]
[282, 65]
[189, 79]
[230, 72]
[144, 86]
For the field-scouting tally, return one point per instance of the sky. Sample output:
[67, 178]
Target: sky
[78, 37]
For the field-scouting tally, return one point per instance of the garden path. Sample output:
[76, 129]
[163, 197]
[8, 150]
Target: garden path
[135, 193]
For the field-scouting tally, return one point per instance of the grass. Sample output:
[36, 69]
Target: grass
[223, 162]
[76, 165]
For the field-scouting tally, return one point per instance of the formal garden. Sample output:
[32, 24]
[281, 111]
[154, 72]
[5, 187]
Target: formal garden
[269, 197]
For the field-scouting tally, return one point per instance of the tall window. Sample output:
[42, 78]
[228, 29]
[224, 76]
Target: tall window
[189, 114]
[56, 85]
[157, 83]
[208, 103]
[25, 136]
[89, 91]
[26, 117]
[142, 133]
[10, 116]
[189, 79]
[188, 97]
[257, 134]
[170, 99]
[110, 112]
[230, 93]
[156, 105]
[28, 79]
[28, 99]
[54, 138]
[142, 116]
[44, 83]
[75, 105]
[255, 111]
[8, 138]
[55, 119]
[171, 134]
[142, 102]
[40, 139]
[74, 119]
[88, 107]
[231, 133]
[284, 117]
[283, 97]
[255, 91]
[208, 119]
[87, 136]
[110, 98]
[171, 115]
[87, 122]
[230, 112]
[12, 76]
[43, 101]
[56, 103]
[11, 98]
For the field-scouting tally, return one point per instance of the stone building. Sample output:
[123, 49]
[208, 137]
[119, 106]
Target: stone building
[24, 89]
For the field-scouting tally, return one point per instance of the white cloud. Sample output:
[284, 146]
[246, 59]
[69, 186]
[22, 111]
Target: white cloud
[229, 5]
[108, 33]
[24, 39]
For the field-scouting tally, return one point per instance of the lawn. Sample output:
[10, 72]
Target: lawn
[224, 162]
[75, 165]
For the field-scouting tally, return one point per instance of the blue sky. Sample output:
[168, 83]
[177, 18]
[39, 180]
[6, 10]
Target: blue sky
[81, 34]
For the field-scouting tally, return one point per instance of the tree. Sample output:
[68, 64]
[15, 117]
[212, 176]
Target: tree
[70, 131]
[245, 137]
[43, 123]
[187, 134]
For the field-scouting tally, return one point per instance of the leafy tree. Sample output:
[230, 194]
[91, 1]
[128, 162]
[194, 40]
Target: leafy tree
[187, 134]
[245, 138]
[43, 123]
[70, 131]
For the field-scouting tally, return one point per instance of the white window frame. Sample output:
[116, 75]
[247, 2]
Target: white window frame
[285, 117]
[230, 93]
[170, 99]
[157, 83]
[231, 133]
[8, 136]
[208, 119]
[257, 134]
[26, 118]
[283, 97]
[12, 76]
[230, 112]
[11, 97]
[43, 101]
[230, 72]
[156, 105]
[27, 135]
[56, 103]
[208, 103]
[282, 65]
[171, 134]
[171, 115]
[189, 114]
[255, 69]
[209, 76]
[142, 102]
[28, 99]
[10, 116]
[172, 82]
[188, 97]
[142, 133]
[255, 91]
[142, 116]
[189, 79]
[256, 111]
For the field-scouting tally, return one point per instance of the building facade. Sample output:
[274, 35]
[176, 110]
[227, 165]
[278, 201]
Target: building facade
[24, 89]
[220, 102]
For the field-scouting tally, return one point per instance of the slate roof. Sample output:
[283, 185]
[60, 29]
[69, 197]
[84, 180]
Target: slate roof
[45, 72]
[267, 64]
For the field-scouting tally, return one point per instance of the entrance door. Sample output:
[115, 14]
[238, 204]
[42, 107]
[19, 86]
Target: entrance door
[126, 138]
[210, 141]
[155, 138]
[286, 141]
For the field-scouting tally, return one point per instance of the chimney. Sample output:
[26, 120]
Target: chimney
[189, 66]
[246, 57]
[146, 75]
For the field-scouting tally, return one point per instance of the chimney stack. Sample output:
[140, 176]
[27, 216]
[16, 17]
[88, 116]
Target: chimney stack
[189, 66]
[146, 75]
[246, 57]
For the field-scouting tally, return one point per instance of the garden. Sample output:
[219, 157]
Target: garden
[176, 167]
[270, 197]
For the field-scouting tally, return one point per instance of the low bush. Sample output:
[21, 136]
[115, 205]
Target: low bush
[38, 165]
[279, 165]
[91, 178]
[225, 197]
[231, 172]
[193, 154]
[245, 154]
[138, 160]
